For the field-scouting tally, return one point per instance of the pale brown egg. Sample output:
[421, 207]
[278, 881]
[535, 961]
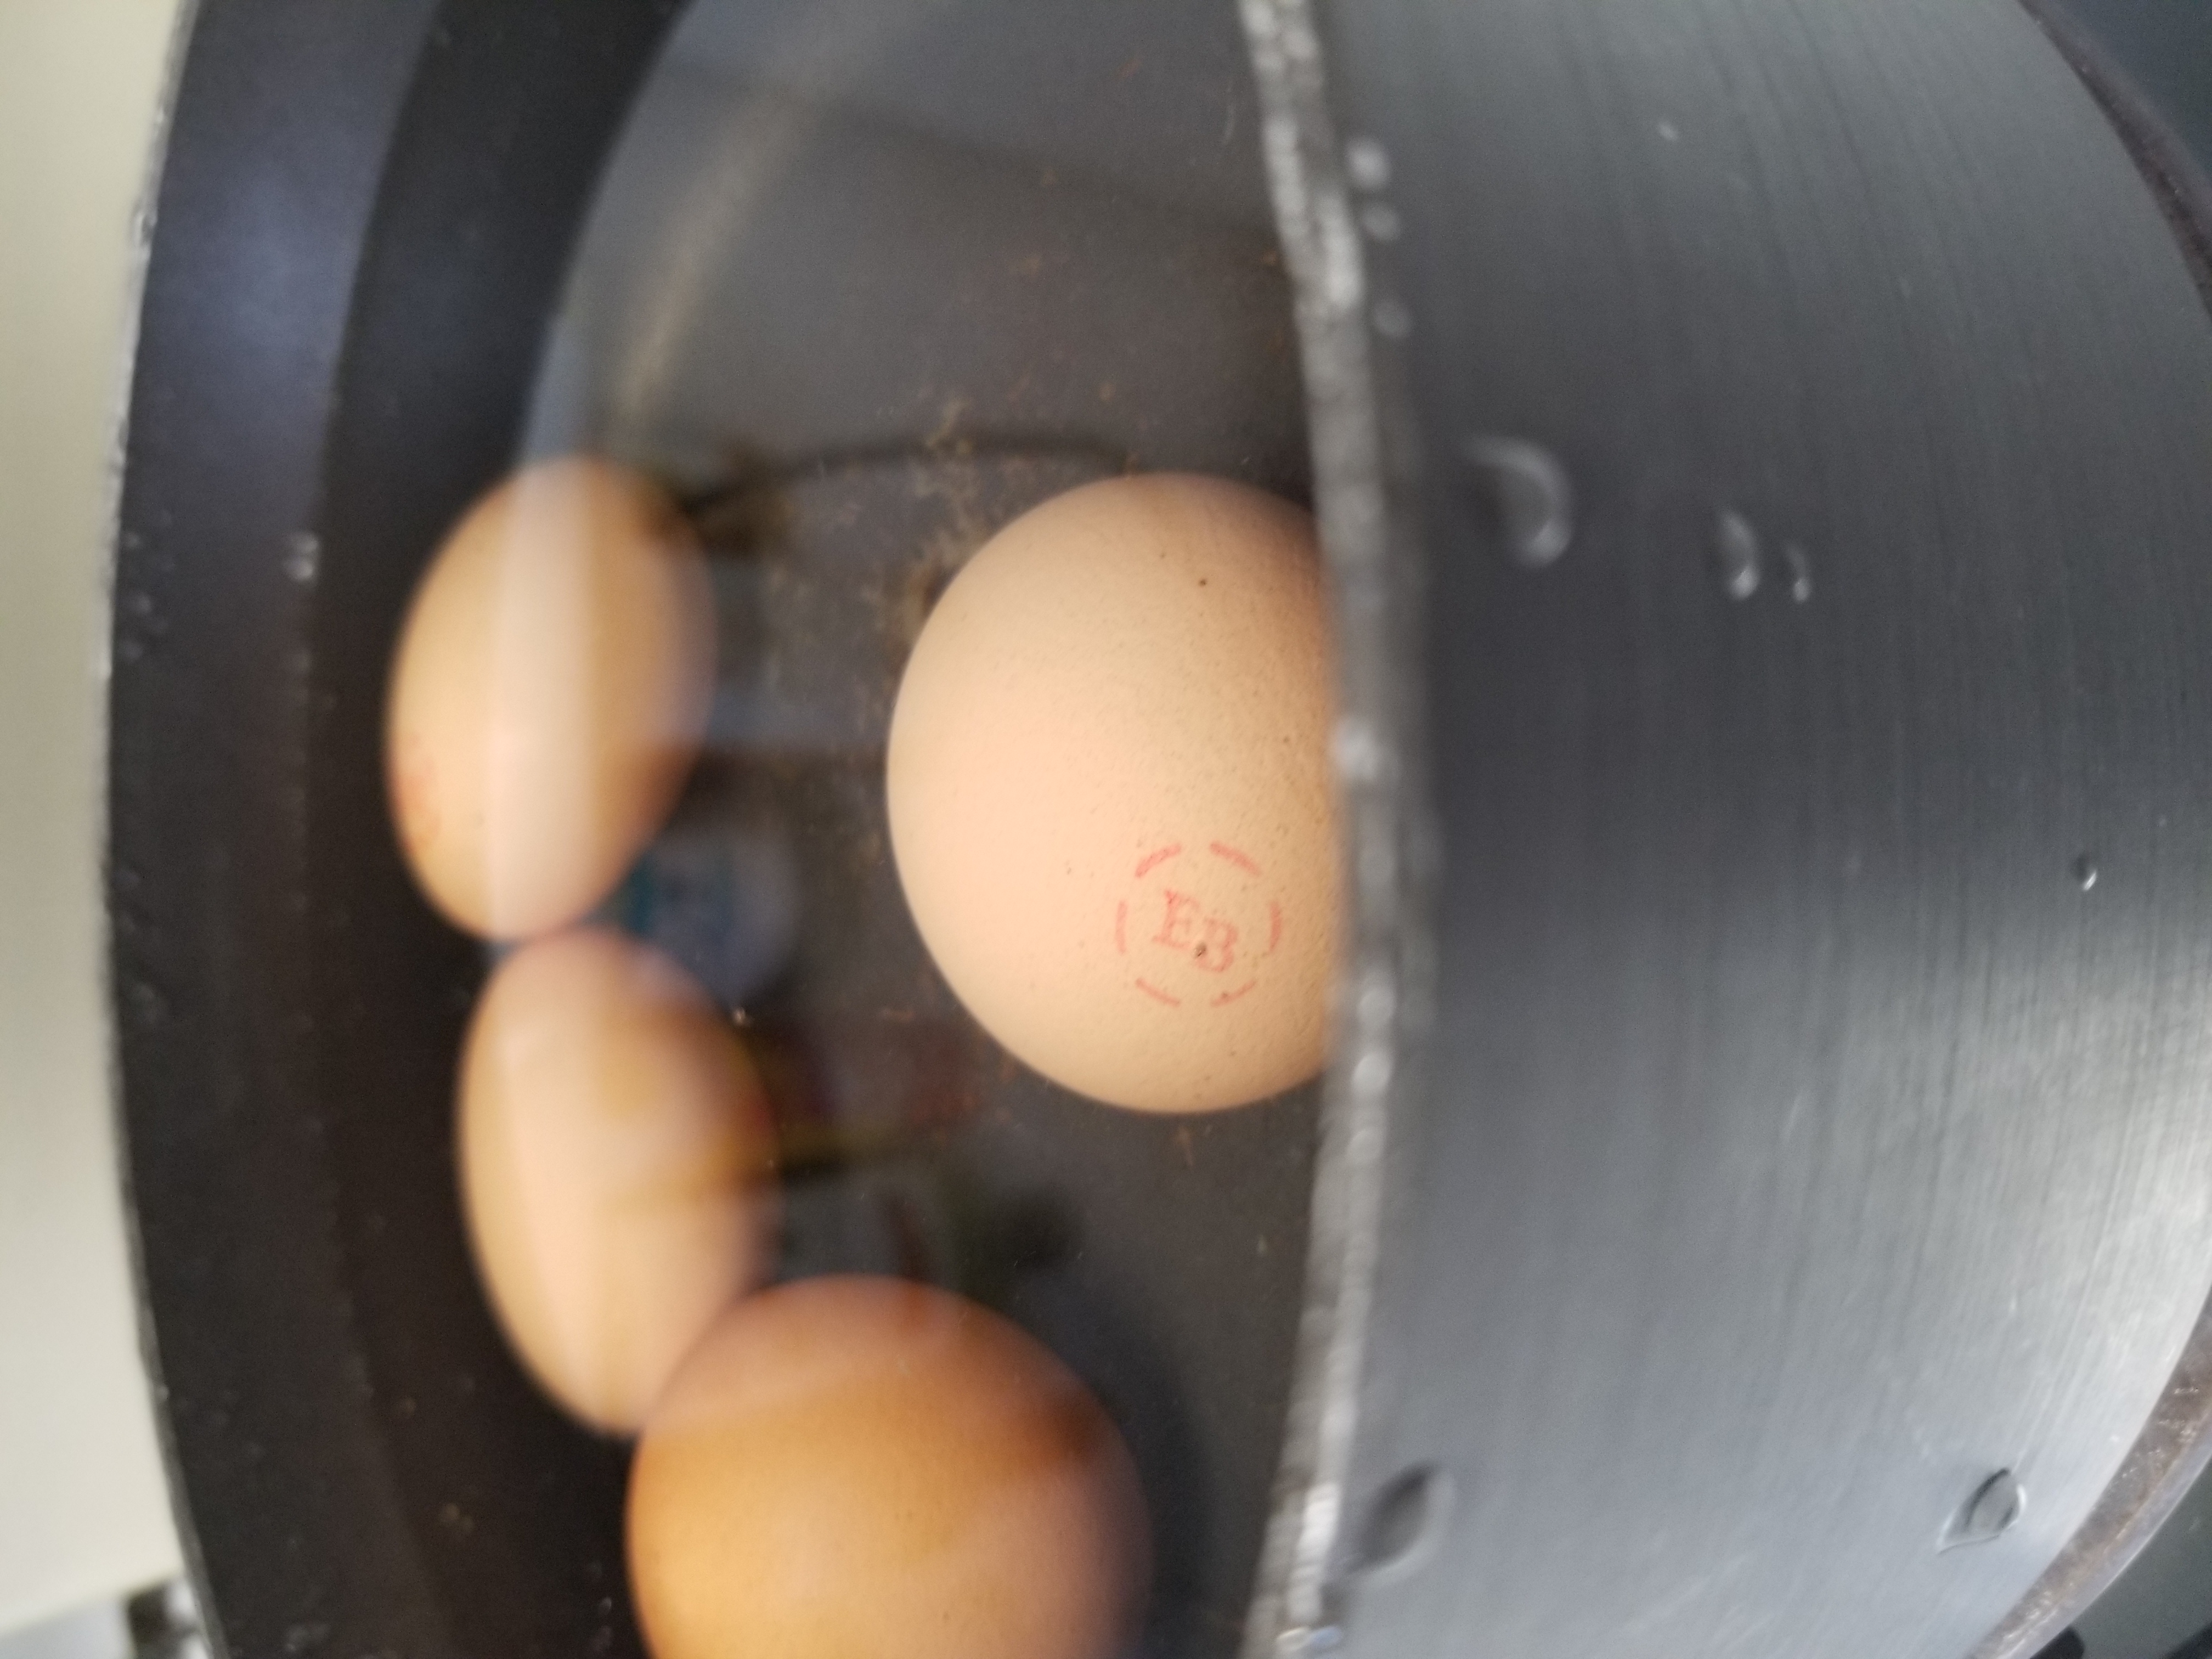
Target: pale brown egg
[615, 1159]
[857, 1466]
[548, 695]
[1109, 792]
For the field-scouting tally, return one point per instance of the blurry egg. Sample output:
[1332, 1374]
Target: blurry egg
[1109, 792]
[616, 1155]
[548, 694]
[857, 1466]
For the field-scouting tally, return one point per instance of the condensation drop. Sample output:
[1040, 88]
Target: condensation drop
[1360, 753]
[1380, 221]
[149, 1004]
[1367, 164]
[1735, 554]
[1801, 572]
[303, 553]
[1533, 497]
[1378, 1001]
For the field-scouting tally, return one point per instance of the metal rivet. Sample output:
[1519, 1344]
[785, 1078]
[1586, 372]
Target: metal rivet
[1993, 1510]
[1405, 1522]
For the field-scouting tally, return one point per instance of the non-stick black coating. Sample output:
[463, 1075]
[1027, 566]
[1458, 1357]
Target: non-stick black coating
[362, 220]
[1820, 1124]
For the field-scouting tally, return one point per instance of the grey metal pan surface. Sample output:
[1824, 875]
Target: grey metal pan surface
[1797, 1203]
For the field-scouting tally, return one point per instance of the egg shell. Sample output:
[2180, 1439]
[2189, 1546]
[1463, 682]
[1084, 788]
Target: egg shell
[616, 1160]
[1109, 792]
[859, 1466]
[548, 694]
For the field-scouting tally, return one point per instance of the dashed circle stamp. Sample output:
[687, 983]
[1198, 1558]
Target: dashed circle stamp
[1197, 924]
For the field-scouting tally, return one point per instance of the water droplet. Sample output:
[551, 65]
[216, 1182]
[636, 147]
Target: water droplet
[1378, 863]
[178, 1608]
[1992, 1511]
[306, 1638]
[1735, 554]
[303, 554]
[1367, 164]
[1378, 1000]
[2084, 871]
[1365, 1144]
[1371, 1076]
[1405, 1522]
[1392, 320]
[1670, 132]
[1534, 504]
[1801, 572]
[148, 1003]
[1380, 221]
[1360, 754]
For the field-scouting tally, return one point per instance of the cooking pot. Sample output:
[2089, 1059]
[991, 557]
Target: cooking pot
[1761, 1201]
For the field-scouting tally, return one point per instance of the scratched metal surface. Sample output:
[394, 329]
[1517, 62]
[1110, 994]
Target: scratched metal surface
[1821, 1119]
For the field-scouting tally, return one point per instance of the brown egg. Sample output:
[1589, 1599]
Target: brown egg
[1109, 792]
[851, 1468]
[548, 695]
[616, 1157]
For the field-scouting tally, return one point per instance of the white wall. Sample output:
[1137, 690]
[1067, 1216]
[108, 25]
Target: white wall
[82, 1509]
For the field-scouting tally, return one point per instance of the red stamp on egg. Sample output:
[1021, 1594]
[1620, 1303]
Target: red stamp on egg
[1198, 925]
